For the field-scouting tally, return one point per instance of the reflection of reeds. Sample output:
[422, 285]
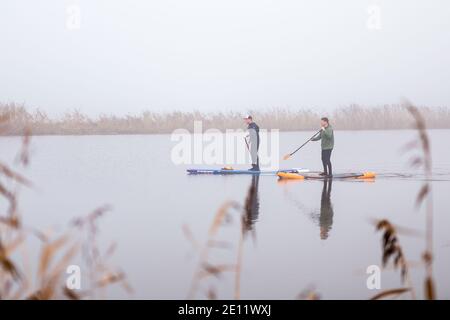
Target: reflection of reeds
[57, 253]
[248, 216]
[353, 117]
[206, 268]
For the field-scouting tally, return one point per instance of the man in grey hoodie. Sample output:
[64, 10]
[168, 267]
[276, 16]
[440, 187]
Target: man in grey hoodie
[253, 138]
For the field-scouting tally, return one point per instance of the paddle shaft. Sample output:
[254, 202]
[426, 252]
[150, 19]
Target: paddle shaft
[305, 142]
[246, 143]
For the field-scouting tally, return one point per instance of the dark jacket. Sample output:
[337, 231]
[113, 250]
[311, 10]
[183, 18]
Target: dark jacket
[254, 135]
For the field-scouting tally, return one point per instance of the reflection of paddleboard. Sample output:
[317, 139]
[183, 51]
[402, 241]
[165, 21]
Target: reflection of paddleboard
[317, 176]
[232, 171]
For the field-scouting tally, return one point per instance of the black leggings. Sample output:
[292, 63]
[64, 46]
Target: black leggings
[326, 156]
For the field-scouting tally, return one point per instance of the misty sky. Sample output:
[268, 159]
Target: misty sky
[132, 55]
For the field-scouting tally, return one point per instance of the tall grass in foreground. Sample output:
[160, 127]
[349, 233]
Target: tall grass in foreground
[206, 268]
[77, 245]
[246, 213]
[391, 246]
[353, 117]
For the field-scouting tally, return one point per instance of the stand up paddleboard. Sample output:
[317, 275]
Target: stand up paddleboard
[317, 176]
[233, 171]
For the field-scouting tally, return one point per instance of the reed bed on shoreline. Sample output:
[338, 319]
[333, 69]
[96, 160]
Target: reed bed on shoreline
[15, 119]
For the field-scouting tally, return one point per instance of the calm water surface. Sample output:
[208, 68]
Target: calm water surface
[304, 234]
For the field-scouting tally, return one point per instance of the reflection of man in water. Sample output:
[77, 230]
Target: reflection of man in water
[251, 205]
[326, 210]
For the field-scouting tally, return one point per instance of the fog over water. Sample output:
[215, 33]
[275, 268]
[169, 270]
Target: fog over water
[111, 56]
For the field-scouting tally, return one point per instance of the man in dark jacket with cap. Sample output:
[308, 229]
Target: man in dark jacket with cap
[253, 138]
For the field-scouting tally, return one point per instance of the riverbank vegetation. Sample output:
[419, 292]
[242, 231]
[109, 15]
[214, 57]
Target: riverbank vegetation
[16, 119]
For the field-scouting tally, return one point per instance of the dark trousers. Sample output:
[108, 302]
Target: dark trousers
[326, 161]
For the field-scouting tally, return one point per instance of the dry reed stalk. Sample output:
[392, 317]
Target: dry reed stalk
[100, 275]
[392, 250]
[240, 253]
[308, 294]
[204, 267]
[190, 237]
[15, 284]
[425, 194]
[390, 293]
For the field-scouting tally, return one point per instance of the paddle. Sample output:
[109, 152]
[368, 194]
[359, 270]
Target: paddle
[290, 154]
[246, 143]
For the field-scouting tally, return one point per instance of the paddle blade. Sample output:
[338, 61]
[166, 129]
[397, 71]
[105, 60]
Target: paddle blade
[286, 157]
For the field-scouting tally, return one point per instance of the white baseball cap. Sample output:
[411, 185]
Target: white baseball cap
[248, 117]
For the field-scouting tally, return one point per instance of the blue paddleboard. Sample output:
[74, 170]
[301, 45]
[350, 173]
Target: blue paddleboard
[227, 171]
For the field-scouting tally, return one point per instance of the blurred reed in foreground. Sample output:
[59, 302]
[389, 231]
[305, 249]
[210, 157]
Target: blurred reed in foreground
[24, 275]
[247, 214]
[353, 117]
[421, 150]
